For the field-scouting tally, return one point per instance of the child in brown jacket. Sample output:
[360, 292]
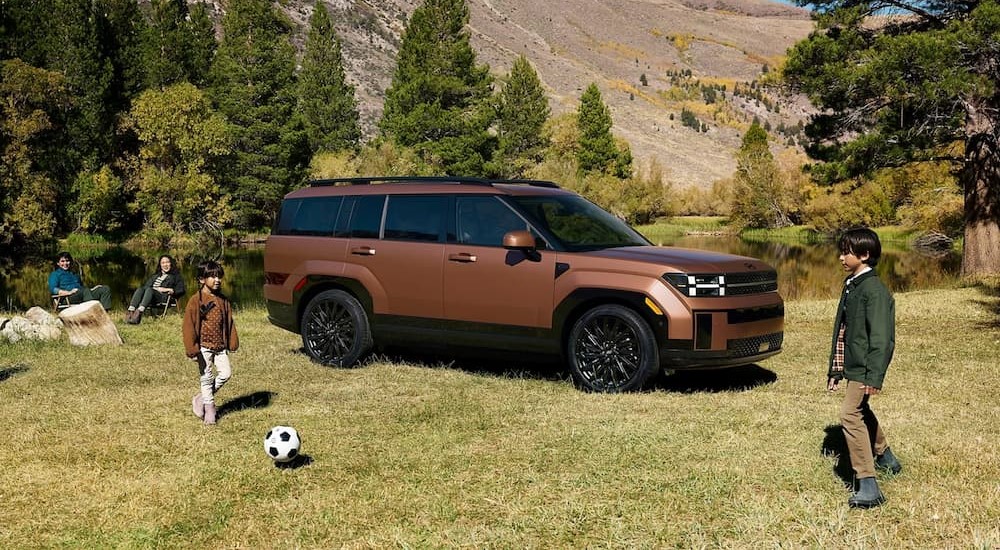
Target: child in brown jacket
[209, 335]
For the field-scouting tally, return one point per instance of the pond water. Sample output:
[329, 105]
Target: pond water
[804, 270]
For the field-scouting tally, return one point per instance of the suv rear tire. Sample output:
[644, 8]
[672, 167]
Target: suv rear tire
[612, 349]
[335, 330]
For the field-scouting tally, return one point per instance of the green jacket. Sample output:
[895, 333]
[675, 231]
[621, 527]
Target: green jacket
[869, 312]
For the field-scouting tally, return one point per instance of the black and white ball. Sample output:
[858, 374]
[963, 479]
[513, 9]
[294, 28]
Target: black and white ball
[282, 443]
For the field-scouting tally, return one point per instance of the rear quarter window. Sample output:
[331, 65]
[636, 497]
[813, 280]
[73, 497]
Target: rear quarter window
[308, 216]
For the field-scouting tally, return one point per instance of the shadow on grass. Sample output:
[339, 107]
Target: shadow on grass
[835, 447]
[295, 463]
[498, 365]
[255, 400]
[991, 303]
[7, 373]
[731, 379]
[519, 366]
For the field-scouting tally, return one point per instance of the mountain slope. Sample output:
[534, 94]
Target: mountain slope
[612, 43]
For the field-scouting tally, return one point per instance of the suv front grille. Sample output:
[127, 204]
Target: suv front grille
[746, 347]
[752, 282]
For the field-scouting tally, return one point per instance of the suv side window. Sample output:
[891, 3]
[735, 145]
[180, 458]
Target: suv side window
[312, 216]
[415, 218]
[483, 221]
[367, 217]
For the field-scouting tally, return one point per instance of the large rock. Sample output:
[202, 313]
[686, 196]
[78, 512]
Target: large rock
[88, 324]
[36, 324]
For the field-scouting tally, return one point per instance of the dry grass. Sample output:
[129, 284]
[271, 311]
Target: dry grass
[102, 450]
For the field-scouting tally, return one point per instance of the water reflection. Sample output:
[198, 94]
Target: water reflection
[812, 270]
[23, 282]
[804, 270]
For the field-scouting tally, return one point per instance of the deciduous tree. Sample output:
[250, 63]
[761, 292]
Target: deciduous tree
[180, 137]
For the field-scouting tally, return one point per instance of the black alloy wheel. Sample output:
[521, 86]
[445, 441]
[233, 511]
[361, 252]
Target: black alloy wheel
[335, 329]
[612, 349]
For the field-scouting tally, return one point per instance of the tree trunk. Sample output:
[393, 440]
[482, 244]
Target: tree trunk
[88, 324]
[981, 185]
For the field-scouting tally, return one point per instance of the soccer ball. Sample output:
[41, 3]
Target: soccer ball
[282, 443]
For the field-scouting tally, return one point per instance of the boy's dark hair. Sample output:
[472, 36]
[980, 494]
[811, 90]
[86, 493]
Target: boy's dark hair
[64, 254]
[860, 241]
[210, 268]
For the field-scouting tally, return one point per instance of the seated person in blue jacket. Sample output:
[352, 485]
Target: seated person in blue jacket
[167, 281]
[65, 282]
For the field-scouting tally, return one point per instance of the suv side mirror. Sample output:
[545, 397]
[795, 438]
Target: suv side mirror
[519, 240]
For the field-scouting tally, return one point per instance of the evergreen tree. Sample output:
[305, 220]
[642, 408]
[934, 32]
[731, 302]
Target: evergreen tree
[25, 31]
[905, 91]
[326, 99]
[254, 88]
[522, 110]
[75, 50]
[438, 100]
[122, 30]
[202, 45]
[167, 43]
[598, 151]
[757, 186]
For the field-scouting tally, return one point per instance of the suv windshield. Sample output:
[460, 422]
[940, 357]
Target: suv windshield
[579, 224]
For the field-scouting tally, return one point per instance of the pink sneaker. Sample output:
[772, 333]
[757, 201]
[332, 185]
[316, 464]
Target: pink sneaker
[198, 406]
[210, 413]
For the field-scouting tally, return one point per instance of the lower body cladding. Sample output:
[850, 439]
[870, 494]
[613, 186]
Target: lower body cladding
[727, 338]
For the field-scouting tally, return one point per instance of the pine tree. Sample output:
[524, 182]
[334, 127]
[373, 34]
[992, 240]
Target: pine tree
[254, 88]
[438, 100]
[598, 151]
[201, 48]
[522, 110]
[122, 31]
[757, 189]
[167, 43]
[326, 99]
[908, 92]
[75, 50]
[25, 31]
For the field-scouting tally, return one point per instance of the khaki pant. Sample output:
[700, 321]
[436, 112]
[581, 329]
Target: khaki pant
[861, 430]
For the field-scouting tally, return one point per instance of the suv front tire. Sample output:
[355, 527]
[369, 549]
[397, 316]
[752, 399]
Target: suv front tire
[612, 349]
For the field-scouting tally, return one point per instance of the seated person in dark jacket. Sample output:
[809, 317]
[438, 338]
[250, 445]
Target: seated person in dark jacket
[64, 282]
[167, 281]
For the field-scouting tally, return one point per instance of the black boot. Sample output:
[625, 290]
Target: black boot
[868, 495]
[887, 462]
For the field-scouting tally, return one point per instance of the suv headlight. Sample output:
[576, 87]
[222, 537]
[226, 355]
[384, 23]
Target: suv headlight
[698, 285]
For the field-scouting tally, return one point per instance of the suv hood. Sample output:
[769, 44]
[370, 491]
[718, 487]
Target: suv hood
[684, 260]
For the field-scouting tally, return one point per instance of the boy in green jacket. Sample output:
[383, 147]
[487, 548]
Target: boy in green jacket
[864, 337]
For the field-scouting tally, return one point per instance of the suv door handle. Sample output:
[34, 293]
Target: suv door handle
[363, 251]
[463, 257]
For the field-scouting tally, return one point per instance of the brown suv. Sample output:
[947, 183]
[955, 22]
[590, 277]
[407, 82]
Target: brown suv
[520, 266]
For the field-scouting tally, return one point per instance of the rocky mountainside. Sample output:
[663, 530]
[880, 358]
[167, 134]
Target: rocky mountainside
[646, 56]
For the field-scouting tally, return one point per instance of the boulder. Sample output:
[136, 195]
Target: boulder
[88, 324]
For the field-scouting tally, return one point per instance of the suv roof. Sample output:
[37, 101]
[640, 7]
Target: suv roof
[426, 185]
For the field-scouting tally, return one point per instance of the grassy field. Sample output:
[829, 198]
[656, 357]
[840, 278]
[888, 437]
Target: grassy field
[102, 450]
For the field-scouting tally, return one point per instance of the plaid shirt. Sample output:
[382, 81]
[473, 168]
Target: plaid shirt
[837, 368]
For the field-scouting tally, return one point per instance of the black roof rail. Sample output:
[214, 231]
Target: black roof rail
[460, 180]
